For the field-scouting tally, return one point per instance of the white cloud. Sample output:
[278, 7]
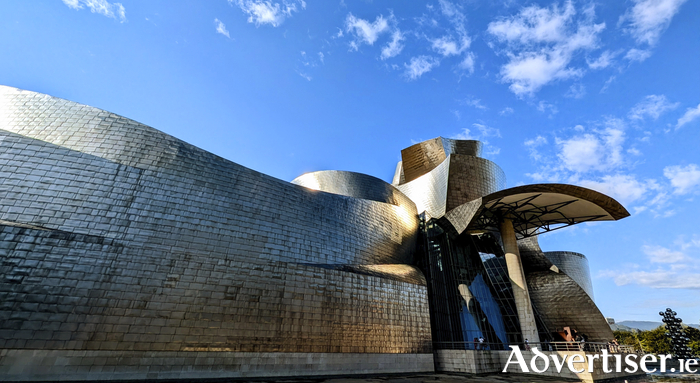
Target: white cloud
[465, 134]
[305, 76]
[506, 111]
[625, 188]
[649, 18]
[221, 28]
[474, 102]
[690, 115]
[543, 106]
[675, 269]
[604, 61]
[598, 151]
[534, 25]
[447, 46]
[530, 71]
[541, 43]
[453, 13]
[321, 56]
[533, 144]
[364, 31]
[487, 131]
[268, 12]
[419, 66]
[576, 91]
[468, 63]
[640, 55]
[660, 279]
[581, 154]
[484, 133]
[652, 106]
[684, 179]
[456, 40]
[659, 254]
[103, 7]
[394, 47]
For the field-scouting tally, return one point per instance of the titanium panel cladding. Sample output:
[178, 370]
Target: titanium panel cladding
[117, 237]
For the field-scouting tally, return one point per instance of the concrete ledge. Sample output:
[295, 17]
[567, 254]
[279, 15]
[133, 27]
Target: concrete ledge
[482, 362]
[62, 365]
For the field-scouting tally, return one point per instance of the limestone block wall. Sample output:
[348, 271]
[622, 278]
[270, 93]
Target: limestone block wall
[51, 365]
[481, 362]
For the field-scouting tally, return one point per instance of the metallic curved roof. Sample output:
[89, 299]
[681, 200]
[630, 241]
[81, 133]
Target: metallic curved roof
[545, 207]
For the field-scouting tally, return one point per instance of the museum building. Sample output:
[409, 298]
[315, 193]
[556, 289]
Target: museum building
[126, 253]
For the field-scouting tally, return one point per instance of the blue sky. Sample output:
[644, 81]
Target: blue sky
[603, 94]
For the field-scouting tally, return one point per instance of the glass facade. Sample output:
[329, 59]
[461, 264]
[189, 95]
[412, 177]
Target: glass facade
[469, 290]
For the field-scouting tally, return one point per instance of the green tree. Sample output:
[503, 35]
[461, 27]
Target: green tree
[694, 347]
[694, 343]
[628, 338]
[655, 341]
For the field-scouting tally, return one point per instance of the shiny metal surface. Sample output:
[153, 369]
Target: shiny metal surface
[441, 174]
[561, 302]
[574, 265]
[558, 282]
[421, 158]
[117, 237]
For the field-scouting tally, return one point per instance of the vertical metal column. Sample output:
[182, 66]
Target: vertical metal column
[517, 279]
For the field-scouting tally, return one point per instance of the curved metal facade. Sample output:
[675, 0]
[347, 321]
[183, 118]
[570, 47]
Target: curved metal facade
[119, 238]
[574, 265]
[442, 174]
[561, 302]
[119, 241]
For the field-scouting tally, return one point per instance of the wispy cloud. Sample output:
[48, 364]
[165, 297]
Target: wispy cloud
[420, 65]
[544, 106]
[603, 61]
[576, 91]
[540, 44]
[263, 12]
[103, 7]
[660, 254]
[690, 115]
[598, 158]
[652, 106]
[639, 55]
[447, 46]
[221, 28]
[456, 41]
[647, 19]
[684, 179]
[625, 188]
[467, 63]
[506, 111]
[363, 31]
[483, 134]
[473, 102]
[676, 267]
[394, 47]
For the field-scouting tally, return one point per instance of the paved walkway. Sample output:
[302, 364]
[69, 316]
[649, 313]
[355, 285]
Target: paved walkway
[493, 378]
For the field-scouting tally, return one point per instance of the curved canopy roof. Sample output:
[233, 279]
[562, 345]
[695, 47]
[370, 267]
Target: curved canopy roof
[545, 207]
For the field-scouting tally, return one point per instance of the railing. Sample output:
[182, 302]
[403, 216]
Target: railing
[592, 347]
